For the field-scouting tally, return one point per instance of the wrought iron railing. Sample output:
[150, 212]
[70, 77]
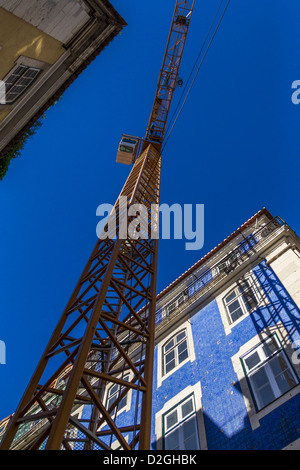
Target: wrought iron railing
[241, 253]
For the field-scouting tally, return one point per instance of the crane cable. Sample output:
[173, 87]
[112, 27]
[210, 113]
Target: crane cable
[194, 66]
[201, 62]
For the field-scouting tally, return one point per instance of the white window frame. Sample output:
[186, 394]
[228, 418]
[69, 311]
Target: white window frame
[179, 423]
[160, 347]
[176, 344]
[259, 295]
[264, 364]
[29, 63]
[194, 390]
[239, 297]
[18, 82]
[108, 396]
[125, 408]
[254, 415]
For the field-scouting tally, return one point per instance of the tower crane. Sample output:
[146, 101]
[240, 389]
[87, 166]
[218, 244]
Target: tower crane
[102, 348]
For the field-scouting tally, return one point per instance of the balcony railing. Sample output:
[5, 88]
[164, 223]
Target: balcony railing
[236, 257]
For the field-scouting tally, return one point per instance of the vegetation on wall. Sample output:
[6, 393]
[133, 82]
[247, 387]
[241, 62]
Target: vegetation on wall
[14, 150]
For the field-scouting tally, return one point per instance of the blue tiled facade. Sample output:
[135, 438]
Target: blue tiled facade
[226, 420]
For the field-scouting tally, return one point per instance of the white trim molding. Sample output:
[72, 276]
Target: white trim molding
[254, 415]
[191, 351]
[259, 294]
[190, 390]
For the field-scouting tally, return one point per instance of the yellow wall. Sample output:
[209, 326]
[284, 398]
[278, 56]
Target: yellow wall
[20, 38]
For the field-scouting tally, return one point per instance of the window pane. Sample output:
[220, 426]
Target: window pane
[252, 360]
[283, 375]
[250, 300]
[113, 390]
[124, 148]
[172, 440]
[170, 366]
[183, 356]
[110, 401]
[129, 141]
[31, 73]
[182, 346]
[169, 345]
[190, 437]
[122, 403]
[266, 396]
[230, 297]
[181, 336]
[172, 307]
[187, 408]
[263, 390]
[24, 81]
[270, 347]
[243, 285]
[171, 419]
[18, 81]
[234, 306]
[235, 314]
[170, 357]
[259, 378]
[19, 70]
[175, 351]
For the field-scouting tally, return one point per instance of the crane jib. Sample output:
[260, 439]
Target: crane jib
[168, 77]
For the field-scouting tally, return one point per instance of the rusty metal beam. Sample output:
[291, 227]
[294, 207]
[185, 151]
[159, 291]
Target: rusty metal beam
[86, 342]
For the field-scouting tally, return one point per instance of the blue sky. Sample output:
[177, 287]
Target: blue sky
[234, 149]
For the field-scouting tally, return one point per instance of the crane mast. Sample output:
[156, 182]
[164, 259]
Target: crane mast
[102, 349]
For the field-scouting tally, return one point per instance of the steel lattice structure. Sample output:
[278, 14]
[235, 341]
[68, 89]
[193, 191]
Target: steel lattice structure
[169, 72]
[105, 336]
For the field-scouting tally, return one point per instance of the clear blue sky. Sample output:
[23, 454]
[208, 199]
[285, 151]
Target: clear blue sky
[235, 149]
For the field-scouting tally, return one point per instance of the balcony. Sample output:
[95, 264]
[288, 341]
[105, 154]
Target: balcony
[240, 255]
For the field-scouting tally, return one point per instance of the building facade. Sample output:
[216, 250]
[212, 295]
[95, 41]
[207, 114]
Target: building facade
[227, 353]
[227, 367]
[44, 46]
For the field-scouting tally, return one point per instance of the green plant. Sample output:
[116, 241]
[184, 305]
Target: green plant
[14, 150]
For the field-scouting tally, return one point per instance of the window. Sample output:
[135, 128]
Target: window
[175, 351]
[19, 79]
[171, 307]
[124, 148]
[113, 394]
[129, 141]
[180, 427]
[227, 264]
[268, 371]
[240, 300]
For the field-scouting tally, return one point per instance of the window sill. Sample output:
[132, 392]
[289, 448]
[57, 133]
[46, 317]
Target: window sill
[256, 416]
